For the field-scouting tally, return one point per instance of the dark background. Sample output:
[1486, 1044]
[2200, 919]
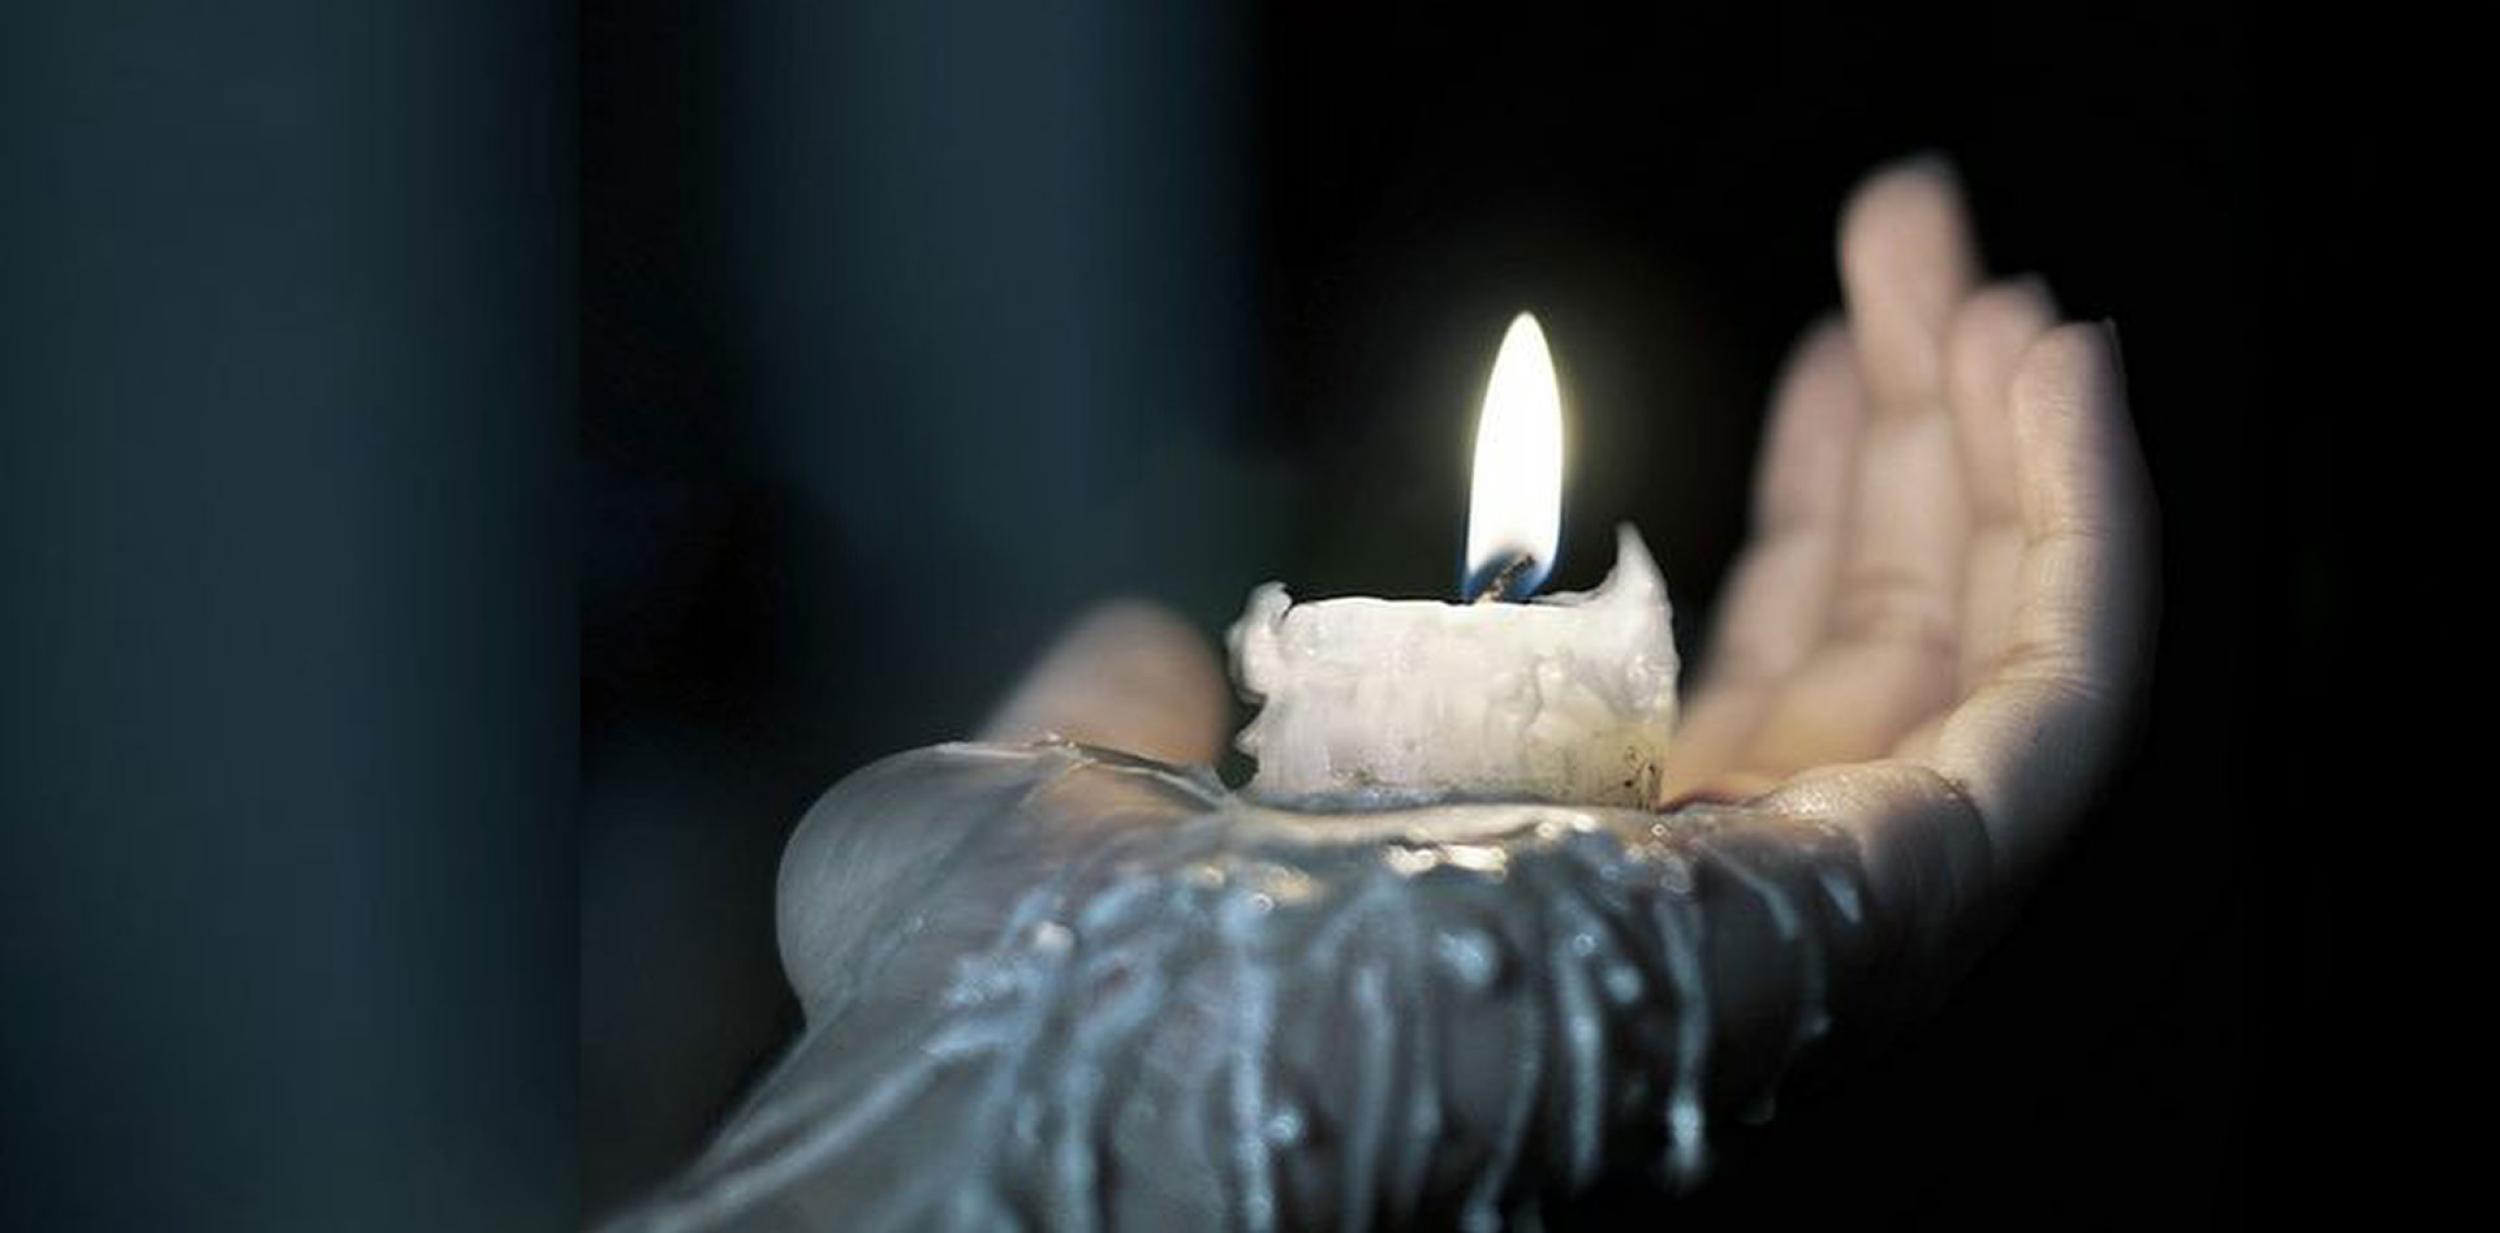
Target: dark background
[386, 386]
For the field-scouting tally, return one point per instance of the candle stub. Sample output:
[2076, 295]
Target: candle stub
[1569, 698]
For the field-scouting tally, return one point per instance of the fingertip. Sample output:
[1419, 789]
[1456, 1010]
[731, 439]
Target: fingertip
[1908, 211]
[1820, 376]
[1988, 337]
[1908, 257]
[1131, 615]
[1916, 181]
[2019, 308]
[2067, 381]
[1826, 332]
[1137, 628]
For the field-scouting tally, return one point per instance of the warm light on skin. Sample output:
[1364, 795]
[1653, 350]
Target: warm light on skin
[1516, 504]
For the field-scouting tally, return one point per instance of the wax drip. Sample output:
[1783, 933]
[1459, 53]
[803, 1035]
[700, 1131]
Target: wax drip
[1143, 1004]
[1423, 1027]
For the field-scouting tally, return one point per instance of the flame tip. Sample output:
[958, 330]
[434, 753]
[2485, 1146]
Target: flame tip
[1515, 505]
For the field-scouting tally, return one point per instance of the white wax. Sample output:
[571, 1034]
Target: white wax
[1566, 698]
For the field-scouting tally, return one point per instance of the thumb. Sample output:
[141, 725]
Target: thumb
[1129, 675]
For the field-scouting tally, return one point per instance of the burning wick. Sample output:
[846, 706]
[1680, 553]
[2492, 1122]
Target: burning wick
[1509, 577]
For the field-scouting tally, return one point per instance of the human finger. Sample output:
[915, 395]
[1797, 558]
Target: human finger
[1886, 662]
[1131, 676]
[1780, 584]
[2037, 735]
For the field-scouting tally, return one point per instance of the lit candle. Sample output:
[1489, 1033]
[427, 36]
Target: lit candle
[1565, 698]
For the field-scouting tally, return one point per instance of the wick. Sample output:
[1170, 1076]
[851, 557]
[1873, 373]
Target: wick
[1497, 585]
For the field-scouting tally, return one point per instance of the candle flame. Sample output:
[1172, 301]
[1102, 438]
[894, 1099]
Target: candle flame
[1516, 506]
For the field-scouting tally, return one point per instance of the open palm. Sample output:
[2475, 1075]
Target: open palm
[1949, 574]
[1945, 604]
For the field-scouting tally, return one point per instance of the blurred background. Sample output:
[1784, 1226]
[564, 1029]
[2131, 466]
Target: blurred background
[473, 473]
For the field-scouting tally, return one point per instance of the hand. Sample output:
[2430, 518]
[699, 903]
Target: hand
[1949, 589]
[1946, 602]
[1065, 968]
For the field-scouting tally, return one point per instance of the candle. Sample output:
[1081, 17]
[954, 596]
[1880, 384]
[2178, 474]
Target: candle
[1566, 698]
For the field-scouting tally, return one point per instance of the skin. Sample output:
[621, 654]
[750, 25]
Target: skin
[1921, 675]
[1946, 602]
